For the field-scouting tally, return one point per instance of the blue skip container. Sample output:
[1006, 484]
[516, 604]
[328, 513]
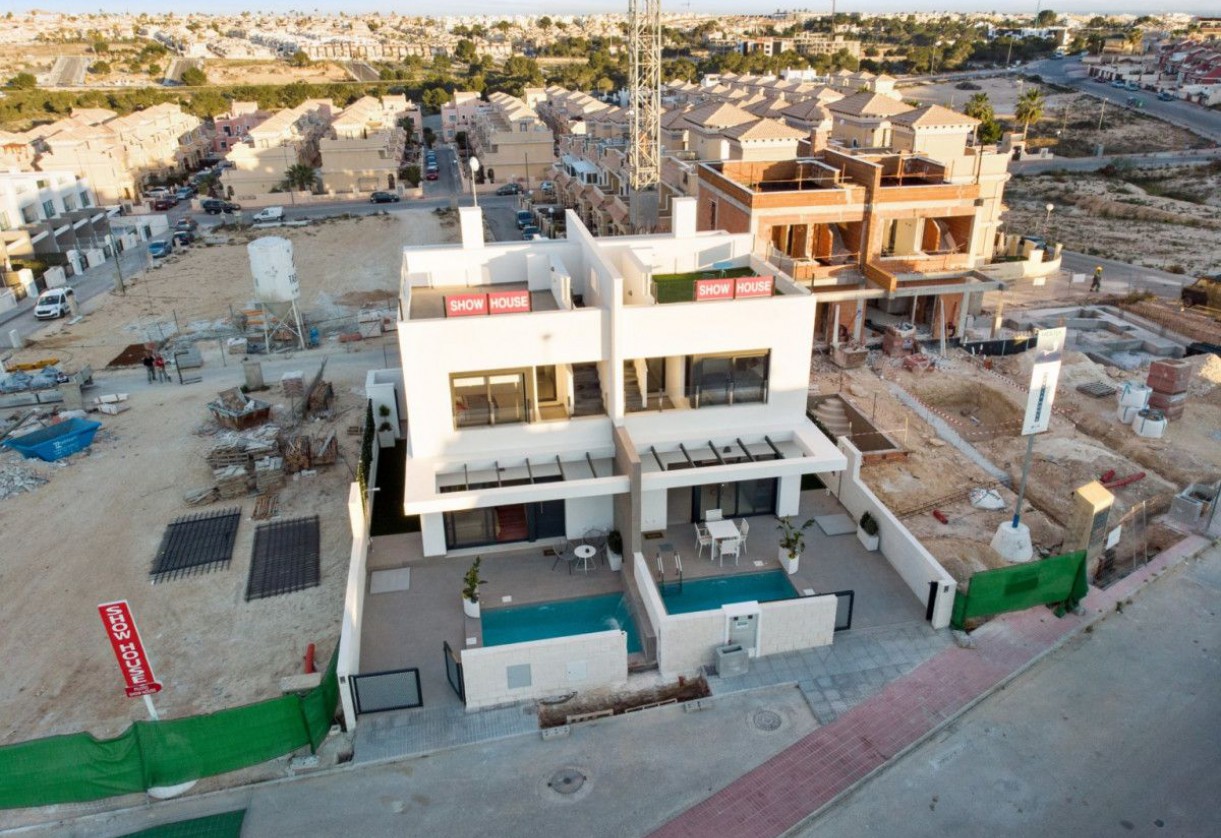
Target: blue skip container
[56, 442]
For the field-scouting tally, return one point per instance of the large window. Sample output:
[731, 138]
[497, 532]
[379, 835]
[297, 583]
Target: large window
[493, 398]
[504, 524]
[735, 500]
[732, 378]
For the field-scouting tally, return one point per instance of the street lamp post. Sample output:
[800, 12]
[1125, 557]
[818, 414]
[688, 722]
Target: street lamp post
[1047, 218]
[473, 161]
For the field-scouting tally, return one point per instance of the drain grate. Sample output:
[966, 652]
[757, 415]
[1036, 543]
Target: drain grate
[766, 720]
[566, 781]
[1096, 389]
[285, 558]
[196, 543]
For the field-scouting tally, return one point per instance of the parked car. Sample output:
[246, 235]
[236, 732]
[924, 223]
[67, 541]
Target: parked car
[547, 186]
[54, 302]
[509, 189]
[157, 192]
[215, 206]
[185, 193]
[184, 237]
[529, 232]
[160, 249]
[1133, 86]
[431, 174]
[383, 198]
[1166, 96]
[188, 224]
[162, 204]
[1135, 102]
[267, 214]
[1119, 83]
[524, 219]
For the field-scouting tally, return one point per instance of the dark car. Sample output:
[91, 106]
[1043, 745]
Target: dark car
[162, 204]
[528, 232]
[214, 206]
[431, 176]
[184, 237]
[184, 193]
[1166, 96]
[509, 189]
[524, 219]
[383, 198]
[188, 224]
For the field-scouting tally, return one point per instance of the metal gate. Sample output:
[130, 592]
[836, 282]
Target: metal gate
[394, 689]
[453, 671]
[844, 600]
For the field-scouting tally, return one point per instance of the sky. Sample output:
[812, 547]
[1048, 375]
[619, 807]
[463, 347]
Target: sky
[511, 7]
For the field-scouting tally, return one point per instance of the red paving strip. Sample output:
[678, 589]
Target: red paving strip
[809, 774]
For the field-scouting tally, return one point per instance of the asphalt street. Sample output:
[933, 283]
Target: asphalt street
[1114, 734]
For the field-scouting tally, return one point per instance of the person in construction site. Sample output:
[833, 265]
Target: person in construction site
[149, 366]
[159, 365]
[1096, 285]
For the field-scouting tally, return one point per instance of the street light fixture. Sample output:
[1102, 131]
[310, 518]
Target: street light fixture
[473, 162]
[1047, 218]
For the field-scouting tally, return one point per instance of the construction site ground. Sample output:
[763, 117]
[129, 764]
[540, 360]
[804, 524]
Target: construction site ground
[90, 533]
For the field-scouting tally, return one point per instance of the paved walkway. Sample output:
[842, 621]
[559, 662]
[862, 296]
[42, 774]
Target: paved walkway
[813, 772]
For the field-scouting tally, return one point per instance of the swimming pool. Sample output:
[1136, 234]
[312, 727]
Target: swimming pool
[559, 619]
[711, 594]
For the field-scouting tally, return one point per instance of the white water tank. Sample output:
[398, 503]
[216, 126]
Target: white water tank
[1150, 424]
[1134, 394]
[1127, 413]
[271, 264]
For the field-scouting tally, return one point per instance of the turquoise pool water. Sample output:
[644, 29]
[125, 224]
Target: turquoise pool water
[710, 594]
[559, 619]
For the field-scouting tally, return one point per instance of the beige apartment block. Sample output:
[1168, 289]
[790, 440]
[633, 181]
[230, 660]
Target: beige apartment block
[458, 114]
[366, 145]
[511, 141]
[285, 139]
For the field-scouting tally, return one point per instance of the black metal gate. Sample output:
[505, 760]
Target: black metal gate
[453, 671]
[394, 689]
[844, 600]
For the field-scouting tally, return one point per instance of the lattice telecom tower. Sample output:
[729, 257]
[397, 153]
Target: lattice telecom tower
[644, 88]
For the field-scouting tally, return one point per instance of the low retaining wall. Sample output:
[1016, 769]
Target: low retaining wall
[496, 675]
[914, 564]
[793, 624]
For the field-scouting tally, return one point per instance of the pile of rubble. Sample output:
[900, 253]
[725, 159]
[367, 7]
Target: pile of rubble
[16, 479]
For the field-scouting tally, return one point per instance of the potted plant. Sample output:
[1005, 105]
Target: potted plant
[385, 431]
[614, 550]
[867, 531]
[470, 589]
[792, 542]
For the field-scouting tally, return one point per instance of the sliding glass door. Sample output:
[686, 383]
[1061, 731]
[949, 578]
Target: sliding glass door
[735, 500]
[504, 524]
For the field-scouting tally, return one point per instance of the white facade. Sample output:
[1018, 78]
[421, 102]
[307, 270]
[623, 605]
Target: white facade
[505, 410]
[29, 197]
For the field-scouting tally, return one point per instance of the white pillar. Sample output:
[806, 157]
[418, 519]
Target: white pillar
[470, 222]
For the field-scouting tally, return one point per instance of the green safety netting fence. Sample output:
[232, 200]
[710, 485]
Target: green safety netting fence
[79, 767]
[1055, 580]
[224, 825]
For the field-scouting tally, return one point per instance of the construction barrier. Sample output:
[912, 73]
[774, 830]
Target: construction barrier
[1057, 580]
[78, 767]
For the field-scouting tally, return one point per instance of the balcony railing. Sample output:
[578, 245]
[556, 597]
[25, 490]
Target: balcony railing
[717, 394]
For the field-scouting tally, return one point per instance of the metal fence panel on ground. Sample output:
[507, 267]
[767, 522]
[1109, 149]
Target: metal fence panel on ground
[1056, 579]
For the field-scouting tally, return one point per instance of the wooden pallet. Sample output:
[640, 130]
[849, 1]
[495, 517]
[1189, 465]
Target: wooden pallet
[266, 506]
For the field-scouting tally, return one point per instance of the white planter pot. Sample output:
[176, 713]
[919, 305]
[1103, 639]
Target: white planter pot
[470, 609]
[614, 560]
[790, 562]
[869, 542]
[385, 439]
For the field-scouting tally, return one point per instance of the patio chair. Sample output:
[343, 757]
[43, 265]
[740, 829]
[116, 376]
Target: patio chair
[729, 547]
[595, 538]
[703, 539]
[744, 531]
[713, 515]
[563, 553]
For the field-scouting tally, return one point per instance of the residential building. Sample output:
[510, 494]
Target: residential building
[458, 114]
[825, 43]
[285, 139]
[365, 146]
[233, 127]
[511, 141]
[52, 215]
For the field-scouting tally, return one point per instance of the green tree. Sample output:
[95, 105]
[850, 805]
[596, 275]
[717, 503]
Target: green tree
[1135, 39]
[301, 177]
[194, 77]
[99, 68]
[300, 59]
[544, 23]
[434, 97]
[22, 81]
[989, 131]
[979, 107]
[465, 51]
[100, 46]
[1045, 18]
[1029, 108]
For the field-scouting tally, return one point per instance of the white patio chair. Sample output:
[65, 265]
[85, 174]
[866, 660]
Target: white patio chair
[744, 531]
[703, 539]
[729, 547]
[713, 515]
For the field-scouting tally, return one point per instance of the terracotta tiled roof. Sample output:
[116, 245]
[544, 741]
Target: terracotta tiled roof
[718, 115]
[764, 129]
[934, 115]
[869, 104]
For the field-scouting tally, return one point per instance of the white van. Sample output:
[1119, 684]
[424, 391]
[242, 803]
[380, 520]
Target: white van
[54, 302]
[269, 214]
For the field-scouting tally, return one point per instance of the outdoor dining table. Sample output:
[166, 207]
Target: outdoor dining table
[584, 554]
[721, 531]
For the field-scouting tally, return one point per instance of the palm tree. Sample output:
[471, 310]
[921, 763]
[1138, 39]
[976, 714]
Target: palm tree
[301, 177]
[1029, 108]
[1135, 39]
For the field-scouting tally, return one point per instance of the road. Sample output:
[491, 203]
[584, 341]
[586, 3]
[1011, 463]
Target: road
[1122, 278]
[1035, 165]
[1115, 734]
[1070, 72]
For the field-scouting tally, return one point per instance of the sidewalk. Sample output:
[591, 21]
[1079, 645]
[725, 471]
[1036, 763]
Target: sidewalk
[798, 782]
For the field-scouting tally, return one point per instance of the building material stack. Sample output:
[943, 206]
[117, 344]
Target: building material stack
[297, 454]
[899, 340]
[292, 384]
[269, 474]
[231, 481]
[1169, 381]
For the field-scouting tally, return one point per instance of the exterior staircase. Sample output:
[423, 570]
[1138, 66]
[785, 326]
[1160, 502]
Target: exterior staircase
[830, 412]
[587, 391]
[633, 402]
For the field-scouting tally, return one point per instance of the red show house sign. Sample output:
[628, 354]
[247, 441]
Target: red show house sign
[466, 305]
[509, 302]
[713, 289]
[128, 650]
[753, 286]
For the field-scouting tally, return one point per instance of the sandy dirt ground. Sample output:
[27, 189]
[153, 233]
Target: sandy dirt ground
[221, 71]
[1164, 217]
[90, 534]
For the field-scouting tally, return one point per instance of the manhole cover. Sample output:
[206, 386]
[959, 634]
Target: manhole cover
[567, 781]
[766, 720]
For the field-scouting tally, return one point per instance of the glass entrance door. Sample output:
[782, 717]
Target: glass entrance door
[735, 500]
[504, 524]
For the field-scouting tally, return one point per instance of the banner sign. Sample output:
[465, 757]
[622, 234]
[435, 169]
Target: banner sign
[1043, 379]
[753, 286]
[128, 650]
[509, 302]
[713, 289]
[466, 305]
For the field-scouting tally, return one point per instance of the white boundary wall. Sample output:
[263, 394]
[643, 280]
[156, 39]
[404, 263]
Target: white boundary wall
[354, 595]
[549, 667]
[914, 564]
